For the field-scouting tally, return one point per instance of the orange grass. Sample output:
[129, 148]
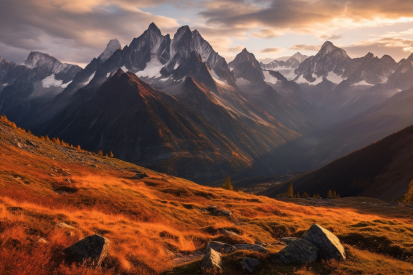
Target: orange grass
[150, 219]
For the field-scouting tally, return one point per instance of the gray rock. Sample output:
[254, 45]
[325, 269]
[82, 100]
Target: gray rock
[212, 261]
[221, 247]
[226, 212]
[288, 240]
[140, 176]
[329, 245]
[65, 226]
[211, 208]
[254, 247]
[31, 143]
[298, 251]
[228, 233]
[250, 264]
[92, 249]
[42, 240]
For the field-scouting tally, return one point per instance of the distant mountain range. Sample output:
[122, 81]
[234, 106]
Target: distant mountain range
[174, 104]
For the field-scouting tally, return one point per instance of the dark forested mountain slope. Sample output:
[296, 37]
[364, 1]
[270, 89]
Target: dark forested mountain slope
[381, 170]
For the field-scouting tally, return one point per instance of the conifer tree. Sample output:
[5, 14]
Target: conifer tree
[78, 148]
[290, 191]
[329, 194]
[47, 138]
[318, 195]
[314, 196]
[305, 195]
[334, 196]
[111, 154]
[298, 194]
[227, 185]
[100, 153]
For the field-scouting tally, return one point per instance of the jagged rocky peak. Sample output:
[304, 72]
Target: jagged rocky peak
[112, 47]
[298, 56]
[328, 47]
[410, 58]
[246, 66]
[153, 27]
[34, 59]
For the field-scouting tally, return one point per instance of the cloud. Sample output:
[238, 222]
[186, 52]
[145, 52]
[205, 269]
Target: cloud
[304, 47]
[331, 37]
[306, 16]
[271, 50]
[236, 49]
[396, 47]
[75, 30]
[267, 33]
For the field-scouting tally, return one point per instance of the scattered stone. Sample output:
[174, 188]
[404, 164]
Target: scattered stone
[288, 240]
[254, 247]
[228, 233]
[31, 143]
[212, 261]
[65, 226]
[42, 240]
[52, 175]
[93, 165]
[220, 247]
[226, 212]
[19, 145]
[320, 215]
[92, 249]
[250, 264]
[140, 176]
[211, 208]
[298, 251]
[329, 245]
[68, 180]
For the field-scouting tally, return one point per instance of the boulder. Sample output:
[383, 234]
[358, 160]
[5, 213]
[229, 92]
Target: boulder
[212, 261]
[221, 247]
[140, 176]
[254, 247]
[250, 264]
[288, 240]
[42, 240]
[329, 245]
[228, 233]
[92, 250]
[298, 251]
[65, 226]
[226, 212]
[211, 208]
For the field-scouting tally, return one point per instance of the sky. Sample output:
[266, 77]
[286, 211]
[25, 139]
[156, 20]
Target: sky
[76, 31]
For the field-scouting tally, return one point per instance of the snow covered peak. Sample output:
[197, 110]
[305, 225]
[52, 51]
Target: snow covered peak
[298, 56]
[112, 47]
[328, 47]
[36, 58]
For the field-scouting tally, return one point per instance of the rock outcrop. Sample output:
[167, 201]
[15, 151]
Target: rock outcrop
[329, 245]
[91, 250]
[212, 262]
[250, 264]
[298, 251]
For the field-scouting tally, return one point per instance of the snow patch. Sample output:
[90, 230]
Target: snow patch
[317, 80]
[176, 66]
[269, 78]
[64, 86]
[123, 68]
[164, 79]
[287, 73]
[216, 78]
[5, 84]
[51, 81]
[384, 80]
[111, 48]
[243, 81]
[152, 69]
[362, 83]
[335, 78]
[90, 79]
[107, 75]
[301, 80]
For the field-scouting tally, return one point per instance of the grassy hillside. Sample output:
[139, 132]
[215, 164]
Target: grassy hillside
[157, 224]
[381, 170]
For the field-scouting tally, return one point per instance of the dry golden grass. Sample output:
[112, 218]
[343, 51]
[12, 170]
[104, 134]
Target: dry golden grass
[149, 220]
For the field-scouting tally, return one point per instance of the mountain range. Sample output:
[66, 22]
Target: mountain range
[175, 105]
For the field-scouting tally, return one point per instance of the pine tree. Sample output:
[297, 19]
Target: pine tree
[334, 195]
[227, 185]
[111, 155]
[100, 153]
[314, 196]
[329, 194]
[298, 194]
[290, 191]
[78, 148]
[318, 195]
[305, 195]
[47, 138]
